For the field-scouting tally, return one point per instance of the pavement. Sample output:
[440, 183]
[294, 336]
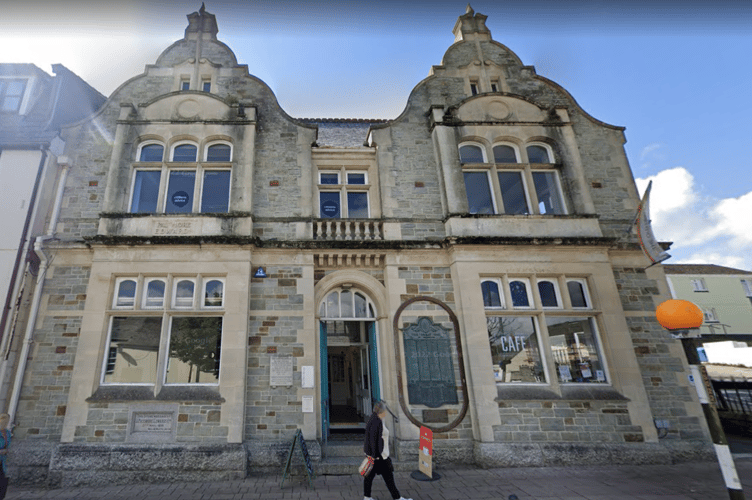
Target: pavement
[695, 480]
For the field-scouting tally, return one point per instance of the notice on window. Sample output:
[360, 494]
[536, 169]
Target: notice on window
[564, 373]
[280, 371]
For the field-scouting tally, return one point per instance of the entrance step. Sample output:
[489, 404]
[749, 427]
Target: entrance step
[345, 449]
[337, 466]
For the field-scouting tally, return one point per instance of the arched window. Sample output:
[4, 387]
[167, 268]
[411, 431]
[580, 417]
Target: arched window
[537, 153]
[504, 154]
[491, 295]
[548, 295]
[151, 152]
[184, 153]
[518, 290]
[219, 152]
[346, 304]
[126, 293]
[214, 292]
[183, 296]
[471, 153]
[155, 292]
[578, 294]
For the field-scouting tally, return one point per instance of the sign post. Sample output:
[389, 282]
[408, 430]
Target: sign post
[425, 457]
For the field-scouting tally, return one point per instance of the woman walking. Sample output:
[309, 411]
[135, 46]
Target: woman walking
[4, 444]
[377, 446]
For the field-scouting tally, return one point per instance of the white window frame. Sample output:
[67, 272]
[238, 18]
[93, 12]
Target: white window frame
[530, 299]
[747, 286]
[175, 281]
[217, 143]
[585, 291]
[150, 142]
[116, 295]
[370, 308]
[145, 294]
[107, 354]
[500, 288]
[483, 151]
[343, 187]
[593, 320]
[557, 292]
[183, 143]
[204, 282]
[709, 315]
[698, 285]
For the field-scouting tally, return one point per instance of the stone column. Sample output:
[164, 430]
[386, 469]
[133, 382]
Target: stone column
[448, 158]
[115, 195]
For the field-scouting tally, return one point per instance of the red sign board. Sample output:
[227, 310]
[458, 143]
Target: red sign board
[425, 453]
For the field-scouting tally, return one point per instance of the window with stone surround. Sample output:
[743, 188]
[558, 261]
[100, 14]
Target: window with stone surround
[186, 183]
[516, 182]
[343, 193]
[545, 333]
[164, 330]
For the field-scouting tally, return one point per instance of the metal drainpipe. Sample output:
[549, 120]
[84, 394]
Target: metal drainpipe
[37, 297]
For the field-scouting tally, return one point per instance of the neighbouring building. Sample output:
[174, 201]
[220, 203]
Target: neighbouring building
[224, 274]
[33, 107]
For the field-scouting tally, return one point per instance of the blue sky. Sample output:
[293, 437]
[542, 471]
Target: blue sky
[677, 75]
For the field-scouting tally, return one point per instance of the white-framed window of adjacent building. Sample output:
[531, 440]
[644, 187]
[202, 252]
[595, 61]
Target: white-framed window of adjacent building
[546, 338]
[12, 94]
[508, 184]
[698, 285]
[157, 341]
[709, 315]
[183, 184]
[747, 286]
[344, 193]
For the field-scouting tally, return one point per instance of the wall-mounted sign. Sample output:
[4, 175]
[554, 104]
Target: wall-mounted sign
[428, 360]
[307, 377]
[307, 404]
[280, 371]
[260, 273]
[180, 199]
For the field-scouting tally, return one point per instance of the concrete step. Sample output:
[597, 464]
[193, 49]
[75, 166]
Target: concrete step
[334, 466]
[344, 449]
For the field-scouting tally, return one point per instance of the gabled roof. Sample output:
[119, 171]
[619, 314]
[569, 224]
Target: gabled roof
[701, 269]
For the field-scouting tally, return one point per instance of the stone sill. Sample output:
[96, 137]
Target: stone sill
[578, 393]
[234, 224]
[535, 226]
[126, 394]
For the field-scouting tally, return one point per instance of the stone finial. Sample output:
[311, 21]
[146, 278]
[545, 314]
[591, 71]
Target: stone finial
[471, 25]
[202, 22]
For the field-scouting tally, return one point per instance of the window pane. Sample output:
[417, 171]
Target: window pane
[126, 295]
[513, 193]
[574, 350]
[471, 154]
[547, 292]
[537, 154]
[346, 304]
[357, 205]
[195, 345]
[218, 152]
[577, 294]
[490, 291]
[180, 192]
[514, 349]
[151, 152]
[519, 294]
[356, 178]
[360, 306]
[549, 199]
[329, 178]
[146, 191]
[215, 196]
[133, 351]
[504, 154]
[206, 86]
[214, 293]
[479, 199]
[329, 205]
[185, 85]
[332, 305]
[184, 294]
[184, 152]
[155, 293]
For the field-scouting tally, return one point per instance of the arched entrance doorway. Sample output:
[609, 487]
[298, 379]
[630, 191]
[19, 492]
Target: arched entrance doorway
[349, 360]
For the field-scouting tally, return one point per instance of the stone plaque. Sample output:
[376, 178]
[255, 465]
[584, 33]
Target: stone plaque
[428, 359]
[153, 422]
[280, 371]
[307, 377]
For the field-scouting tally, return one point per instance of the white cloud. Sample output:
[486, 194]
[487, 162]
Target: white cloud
[704, 229]
[648, 149]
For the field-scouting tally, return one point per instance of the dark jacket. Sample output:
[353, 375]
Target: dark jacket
[374, 443]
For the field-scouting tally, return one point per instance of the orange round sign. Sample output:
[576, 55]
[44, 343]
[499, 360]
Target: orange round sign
[677, 314]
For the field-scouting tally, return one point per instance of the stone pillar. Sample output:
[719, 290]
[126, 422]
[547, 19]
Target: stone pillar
[115, 195]
[449, 164]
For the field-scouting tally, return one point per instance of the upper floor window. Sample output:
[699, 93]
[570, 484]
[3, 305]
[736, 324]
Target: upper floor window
[198, 187]
[698, 285]
[344, 193]
[510, 187]
[709, 315]
[747, 286]
[185, 84]
[549, 293]
[206, 85]
[11, 94]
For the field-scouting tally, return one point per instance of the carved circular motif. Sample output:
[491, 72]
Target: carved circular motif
[498, 110]
[188, 108]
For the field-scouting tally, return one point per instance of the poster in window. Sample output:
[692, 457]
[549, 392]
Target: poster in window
[564, 373]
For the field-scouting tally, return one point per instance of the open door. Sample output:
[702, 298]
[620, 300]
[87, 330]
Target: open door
[373, 361]
[324, 355]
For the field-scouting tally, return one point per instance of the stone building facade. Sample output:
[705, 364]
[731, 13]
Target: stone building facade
[227, 274]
